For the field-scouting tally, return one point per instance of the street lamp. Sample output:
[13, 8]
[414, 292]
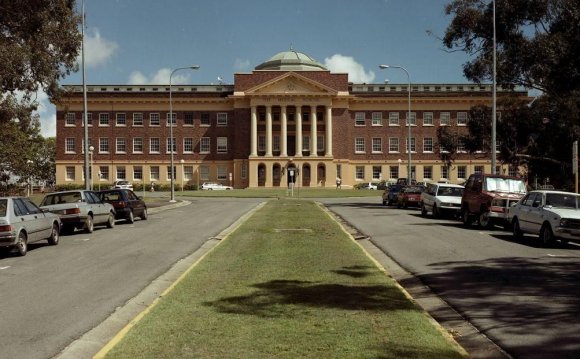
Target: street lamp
[408, 118]
[192, 67]
[399, 161]
[494, 101]
[91, 149]
[182, 173]
[29, 189]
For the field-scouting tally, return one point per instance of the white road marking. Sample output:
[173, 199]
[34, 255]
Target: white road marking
[557, 255]
[1, 268]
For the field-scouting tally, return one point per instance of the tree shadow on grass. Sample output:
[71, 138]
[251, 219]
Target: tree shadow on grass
[271, 298]
[356, 271]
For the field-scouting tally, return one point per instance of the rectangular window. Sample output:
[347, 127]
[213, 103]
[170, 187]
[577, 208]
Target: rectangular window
[103, 119]
[172, 120]
[121, 145]
[244, 170]
[261, 143]
[154, 119]
[428, 172]
[222, 119]
[154, 173]
[377, 172]
[460, 146]
[360, 172]
[205, 145]
[70, 173]
[276, 143]
[413, 148]
[137, 145]
[428, 144]
[188, 145]
[138, 119]
[445, 118]
[169, 173]
[222, 145]
[70, 119]
[377, 145]
[478, 169]
[89, 119]
[461, 172]
[427, 118]
[377, 119]
[393, 119]
[339, 171]
[137, 173]
[461, 118]
[188, 119]
[393, 144]
[154, 145]
[205, 119]
[204, 173]
[121, 120]
[121, 173]
[413, 119]
[359, 145]
[70, 145]
[306, 143]
[171, 145]
[188, 173]
[359, 119]
[103, 173]
[103, 145]
[393, 172]
[320, 143]
[444, 172]
[512, 171]
[222, 173]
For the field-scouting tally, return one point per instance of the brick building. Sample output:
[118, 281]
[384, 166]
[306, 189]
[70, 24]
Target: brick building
[289, 120]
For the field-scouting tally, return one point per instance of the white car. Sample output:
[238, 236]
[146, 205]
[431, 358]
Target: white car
[548, 214]
[212, 186]
[441, 198]
[121, 184]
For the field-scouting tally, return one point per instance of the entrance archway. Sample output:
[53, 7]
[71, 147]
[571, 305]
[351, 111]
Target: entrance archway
[261, 175]
[276, 175]
[321, 174]
[306, 175]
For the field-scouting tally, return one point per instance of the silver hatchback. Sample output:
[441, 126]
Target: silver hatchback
[22, 222]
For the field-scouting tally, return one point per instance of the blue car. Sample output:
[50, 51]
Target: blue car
[390, 194]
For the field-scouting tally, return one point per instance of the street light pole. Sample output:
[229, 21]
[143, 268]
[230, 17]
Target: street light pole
[494, 105]
[85, 106]
[182, 174]
[192, 67]
[91, 149]
[408, 118]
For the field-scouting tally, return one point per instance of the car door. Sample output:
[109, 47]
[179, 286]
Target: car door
[100, 211]
[523, 213]
[42, 223]
[536, 213]
[26, 219]
[135, 203]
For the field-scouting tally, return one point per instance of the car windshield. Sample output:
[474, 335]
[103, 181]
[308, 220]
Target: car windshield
[498, 184]
[413, 190]
[123, 183]
[450, 191]
[58, 198]
[562, 200]
[3, 207]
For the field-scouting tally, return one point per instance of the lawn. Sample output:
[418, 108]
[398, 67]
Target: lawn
[290, 286]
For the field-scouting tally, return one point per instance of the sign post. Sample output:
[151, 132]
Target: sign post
[291, 182]
[575, 164]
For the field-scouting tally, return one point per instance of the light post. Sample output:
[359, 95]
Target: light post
[192, 67]
[29, 189]
[399, 161]
[182, 173]
[91, 149]
[494, 101]
[408, 118]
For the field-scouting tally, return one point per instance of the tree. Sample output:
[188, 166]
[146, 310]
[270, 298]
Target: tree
[39, 44]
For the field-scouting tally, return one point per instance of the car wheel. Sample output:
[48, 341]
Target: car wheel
[130, 217]
[89, 224]
[435, 211]
[483, 220]
[54, 235]
[423, 210]
[144, 214]
[466, 218]
[111, 221]
[22, 244]
[516, 230]
[546, 235]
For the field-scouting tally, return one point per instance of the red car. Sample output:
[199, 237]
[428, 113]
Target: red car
[410, 196]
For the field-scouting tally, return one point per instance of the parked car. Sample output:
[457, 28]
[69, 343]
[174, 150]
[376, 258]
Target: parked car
[126, 203]
[79, 209]
[487, 197]
[122, 185]
[403, 181]
[390, 194]
[409, 196]
[23, 222]
[441, 198]
[367, 185]
[549, 214]
[212, 186]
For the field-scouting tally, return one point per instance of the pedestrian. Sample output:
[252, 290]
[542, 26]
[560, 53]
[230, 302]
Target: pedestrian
[338, 182]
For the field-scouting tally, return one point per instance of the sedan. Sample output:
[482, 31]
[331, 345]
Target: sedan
[211, 186]
[22, 222]
[122, 185]
[441, 198]
[126, 203]
[409, 196]
[79, 210]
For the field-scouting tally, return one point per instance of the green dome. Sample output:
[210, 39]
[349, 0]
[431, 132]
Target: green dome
[291, 61]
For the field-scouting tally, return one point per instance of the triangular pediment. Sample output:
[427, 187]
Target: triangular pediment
[291, 83]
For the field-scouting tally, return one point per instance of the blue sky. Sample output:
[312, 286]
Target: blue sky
[140, 41]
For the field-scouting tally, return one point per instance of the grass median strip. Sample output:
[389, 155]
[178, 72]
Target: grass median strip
[289, 283]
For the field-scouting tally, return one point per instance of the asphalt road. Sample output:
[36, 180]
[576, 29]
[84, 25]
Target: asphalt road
[53, 295]
[524, 297]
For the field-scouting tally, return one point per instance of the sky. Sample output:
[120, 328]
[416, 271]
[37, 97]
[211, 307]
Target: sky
[130, 42]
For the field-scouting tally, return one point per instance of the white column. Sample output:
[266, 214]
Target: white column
[313, 132]
[328, 131]
[299, 131]
[254, 133]
[284, 134]
[268, 131]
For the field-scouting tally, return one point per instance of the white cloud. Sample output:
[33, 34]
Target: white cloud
[241, 65]
[356, 72]
[47, 114]
[161, 77]
[98, 50]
